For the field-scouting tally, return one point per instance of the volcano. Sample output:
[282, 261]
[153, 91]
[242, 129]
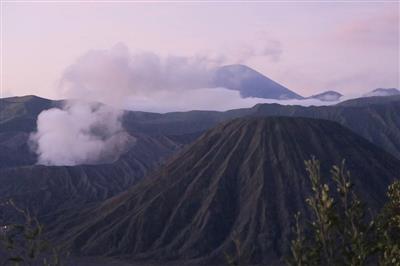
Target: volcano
[244, 178]
[251, 83]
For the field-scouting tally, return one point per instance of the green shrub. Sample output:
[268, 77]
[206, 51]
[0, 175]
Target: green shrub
[23, 242]
[339, 233]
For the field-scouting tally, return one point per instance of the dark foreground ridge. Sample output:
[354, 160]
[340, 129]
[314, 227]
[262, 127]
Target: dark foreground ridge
[243, 179]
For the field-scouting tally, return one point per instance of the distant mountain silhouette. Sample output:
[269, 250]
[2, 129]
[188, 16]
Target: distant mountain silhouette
[383, 92]
[371, 101]
[374, 118]
[377, 120]
[327, 96]
[245, 178]
[251, 83]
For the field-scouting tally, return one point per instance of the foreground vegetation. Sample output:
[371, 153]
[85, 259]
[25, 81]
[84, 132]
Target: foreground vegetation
[23, 243]
[340, 232]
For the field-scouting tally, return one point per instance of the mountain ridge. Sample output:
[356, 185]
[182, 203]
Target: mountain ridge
[251, 83]
[45, 190]
[375, 118]
[326, 96]
[383, 92]
[245, 176]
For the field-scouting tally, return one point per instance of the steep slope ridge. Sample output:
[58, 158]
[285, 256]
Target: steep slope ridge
[244, 177]
[18, 118]
[20, 112]
[46, 189]
[375, 118]
[378, 123]
[251, 83]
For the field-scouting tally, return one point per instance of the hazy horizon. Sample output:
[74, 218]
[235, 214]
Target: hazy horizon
[350, 47]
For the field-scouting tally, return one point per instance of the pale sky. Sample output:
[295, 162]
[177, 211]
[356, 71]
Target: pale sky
[351, 47]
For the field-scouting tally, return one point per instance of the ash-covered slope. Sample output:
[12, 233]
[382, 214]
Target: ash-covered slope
[45, 189]
[244, 177]
[17, 119]
[251, 83]
[48, 189]
[374, 118]
[20, 112]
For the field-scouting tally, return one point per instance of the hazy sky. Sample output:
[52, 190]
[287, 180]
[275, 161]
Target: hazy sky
[350, 47]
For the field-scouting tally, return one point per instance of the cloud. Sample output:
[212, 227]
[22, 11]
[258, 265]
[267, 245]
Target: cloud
[79, 133]
[261, 46]
[146, 81]
[83, 132]
[110, 76]
[218, 99]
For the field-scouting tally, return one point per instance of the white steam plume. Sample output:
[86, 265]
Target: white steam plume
[83, 133]
[148, 82]
[79, 133]
[109, 76]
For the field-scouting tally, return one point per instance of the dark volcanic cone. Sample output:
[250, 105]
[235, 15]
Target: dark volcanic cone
[244, 177]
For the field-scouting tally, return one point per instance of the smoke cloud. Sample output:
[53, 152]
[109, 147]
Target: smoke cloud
[109, 76]
[79, 133]
[148, 82]
[84, 132]
[262, 46]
